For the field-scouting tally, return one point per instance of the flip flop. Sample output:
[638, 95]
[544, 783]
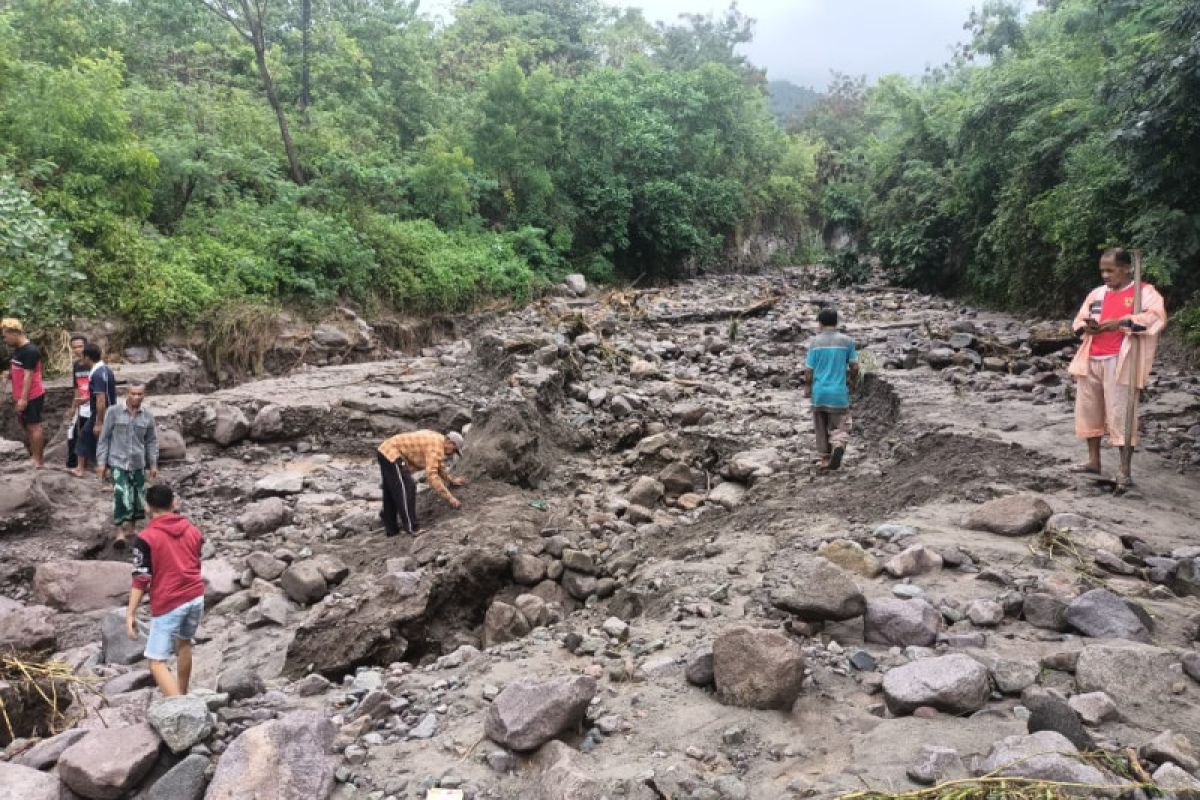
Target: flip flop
[835, 458]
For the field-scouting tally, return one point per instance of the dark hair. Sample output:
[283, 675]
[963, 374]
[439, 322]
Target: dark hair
[91, 351]
[827, 317]
[1119, 255]
[160, 497]
[77, 337]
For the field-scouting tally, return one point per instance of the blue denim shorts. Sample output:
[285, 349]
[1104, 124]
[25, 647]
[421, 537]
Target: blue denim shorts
[179, 623]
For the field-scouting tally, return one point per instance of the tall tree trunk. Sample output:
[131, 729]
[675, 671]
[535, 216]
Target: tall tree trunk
[260, 56]
[306, 27]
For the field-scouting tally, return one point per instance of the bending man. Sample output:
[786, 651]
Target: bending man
[399, 457]
[1104, 363]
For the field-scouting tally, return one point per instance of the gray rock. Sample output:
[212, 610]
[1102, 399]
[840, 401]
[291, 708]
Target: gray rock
[108, 762]
[1015, 515]
[576, 283]
[182, 722]
[676, 479]
[1093, 708]
[1050, 711]
[426, 728]
[936, 764]
[25, 783]
[579, 561]
[272, 609]
[225, 424]
[503, 623]
[332, 568]
[728, 495]
[902, 623]
[264, 516]
[1013, 676]
[186, 780]
[1178, 784]
[279, 485]
[1191, 665]
[535, 610]
[80, 586]
[1173, 748]
[240, 682]
[171, 446]
[561, 774]
[310, 685]
[1043, 610]
[579, 585]
[851, 557]
[26, 628]
[304, 583]
[221, 579]
[527, 570]
[117, 647]
[699, 670]
[528, 713]
[645, 491]
[914, 560]
[1105, 615]
[265, 565]
[750, 465]
[985, 613]
[756, 668]
[955, 684]
[1044, 755]
[45, 754]
[1186, 582]
[818, 591]
[268, 424]
[285, 758]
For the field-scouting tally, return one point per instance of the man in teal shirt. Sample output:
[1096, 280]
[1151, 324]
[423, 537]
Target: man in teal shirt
[831, 366]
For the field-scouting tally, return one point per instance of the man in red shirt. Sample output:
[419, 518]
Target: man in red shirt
[166, 560]
[1105, 362]
[27, 389]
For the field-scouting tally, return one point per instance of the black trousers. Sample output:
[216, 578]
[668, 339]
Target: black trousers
[399, 496]
[72, 440]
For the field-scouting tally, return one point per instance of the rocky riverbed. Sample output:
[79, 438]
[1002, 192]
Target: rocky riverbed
[651, 591]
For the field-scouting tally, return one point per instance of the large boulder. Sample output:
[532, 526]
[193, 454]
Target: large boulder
[818, 591]
[117, 647]
[224, 424]
[304, 583]
[240, 682]
[45, 753]
[171, 446]
[370, 627]
[503, 623]
[23, 502]
[955, 684]
[286, 758]
[184, 781]
[1044, 755]
[901, 622]
[109, 762]
[1141, 678]
[1105, 615]
[26, 628]
[25, 783]
[79, 586]
[755, 668]
[182, 722]
[1014, 515]
[529, 712]
[264, 516]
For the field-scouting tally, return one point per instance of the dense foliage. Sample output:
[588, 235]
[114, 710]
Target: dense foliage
[163, 158]
[1051, 136]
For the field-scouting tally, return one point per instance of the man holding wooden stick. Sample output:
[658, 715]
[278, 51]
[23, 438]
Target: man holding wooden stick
[1120, 323]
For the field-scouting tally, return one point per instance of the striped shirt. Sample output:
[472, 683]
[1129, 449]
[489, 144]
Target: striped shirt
[421, 450]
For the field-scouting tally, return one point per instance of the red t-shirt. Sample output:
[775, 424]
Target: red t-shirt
[1116, 305]
[27, 358]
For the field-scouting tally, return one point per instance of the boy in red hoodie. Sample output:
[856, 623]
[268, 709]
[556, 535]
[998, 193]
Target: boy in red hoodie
[166, 560]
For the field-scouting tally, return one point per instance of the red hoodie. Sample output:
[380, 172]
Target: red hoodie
[166, 558]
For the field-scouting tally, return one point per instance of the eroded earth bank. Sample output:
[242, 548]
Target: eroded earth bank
[650, 592]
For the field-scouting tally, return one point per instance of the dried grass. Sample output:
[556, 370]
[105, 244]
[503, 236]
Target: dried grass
[43, 688]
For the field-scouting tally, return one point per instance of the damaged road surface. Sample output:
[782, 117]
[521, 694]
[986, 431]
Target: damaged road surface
[650, 591]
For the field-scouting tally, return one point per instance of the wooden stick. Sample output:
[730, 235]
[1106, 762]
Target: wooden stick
[1135, 351]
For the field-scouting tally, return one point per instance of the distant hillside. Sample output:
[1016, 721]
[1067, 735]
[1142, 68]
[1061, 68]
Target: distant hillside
[789, 102]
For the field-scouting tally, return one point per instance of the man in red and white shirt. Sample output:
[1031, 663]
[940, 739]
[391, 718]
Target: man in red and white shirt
[1104, 364]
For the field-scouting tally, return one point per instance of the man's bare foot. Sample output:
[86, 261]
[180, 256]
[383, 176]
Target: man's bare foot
[75, 473]
[1086, 469]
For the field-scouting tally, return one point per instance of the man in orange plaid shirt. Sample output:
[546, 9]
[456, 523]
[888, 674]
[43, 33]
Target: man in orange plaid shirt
[399, 457]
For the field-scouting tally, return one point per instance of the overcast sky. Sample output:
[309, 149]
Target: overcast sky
[802, 40]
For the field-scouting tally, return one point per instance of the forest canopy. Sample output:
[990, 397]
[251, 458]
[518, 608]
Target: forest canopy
[163, 159]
